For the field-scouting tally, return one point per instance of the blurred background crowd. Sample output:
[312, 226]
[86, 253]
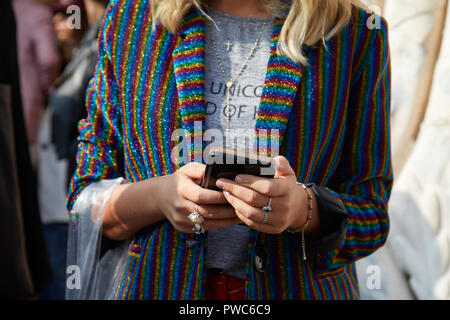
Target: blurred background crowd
[48, 56]
[48, 60]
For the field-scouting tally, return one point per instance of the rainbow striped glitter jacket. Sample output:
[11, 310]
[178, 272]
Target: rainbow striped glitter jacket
[333, 120]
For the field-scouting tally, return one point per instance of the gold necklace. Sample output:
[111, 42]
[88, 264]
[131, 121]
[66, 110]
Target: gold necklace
[230, 82]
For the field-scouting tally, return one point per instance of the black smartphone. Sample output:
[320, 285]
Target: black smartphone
[228, 163]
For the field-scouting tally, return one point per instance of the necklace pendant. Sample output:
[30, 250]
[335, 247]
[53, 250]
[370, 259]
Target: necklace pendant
[229, 84]
[229, 44]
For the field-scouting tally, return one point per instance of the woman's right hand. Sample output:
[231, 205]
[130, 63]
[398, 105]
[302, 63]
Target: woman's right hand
[180, 193]
[134, 206]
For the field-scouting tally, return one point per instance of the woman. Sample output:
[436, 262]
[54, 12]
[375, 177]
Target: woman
[324, 91]
[68, 33]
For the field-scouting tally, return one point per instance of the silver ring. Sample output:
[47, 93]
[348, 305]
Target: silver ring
[267, 209]
[198, 228]
[195, 216]
[197, 219]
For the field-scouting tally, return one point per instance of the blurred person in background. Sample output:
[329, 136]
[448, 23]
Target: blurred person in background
[57, 144]
[69, 26]
[24, 267]
[39, 62]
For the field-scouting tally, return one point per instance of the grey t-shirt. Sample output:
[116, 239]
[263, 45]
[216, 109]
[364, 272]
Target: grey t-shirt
[235, 36]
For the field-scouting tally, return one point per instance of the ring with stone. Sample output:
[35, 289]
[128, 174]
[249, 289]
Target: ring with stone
[195, 216]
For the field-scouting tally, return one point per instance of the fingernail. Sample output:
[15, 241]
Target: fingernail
[226, 193]
[220, 184]
[276, 162]
[240, 179]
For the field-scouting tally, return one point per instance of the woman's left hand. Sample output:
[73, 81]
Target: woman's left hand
[248, 194]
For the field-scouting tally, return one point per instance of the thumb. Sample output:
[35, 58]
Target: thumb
[282, 166]
[193, 170]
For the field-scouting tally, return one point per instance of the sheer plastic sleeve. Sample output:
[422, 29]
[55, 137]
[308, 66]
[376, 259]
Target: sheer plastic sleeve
[90, 275]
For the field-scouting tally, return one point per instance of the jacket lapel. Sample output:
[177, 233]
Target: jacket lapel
[279, 90]
[189, 69]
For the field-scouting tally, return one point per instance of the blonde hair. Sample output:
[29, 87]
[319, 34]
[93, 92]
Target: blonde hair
[307, 21]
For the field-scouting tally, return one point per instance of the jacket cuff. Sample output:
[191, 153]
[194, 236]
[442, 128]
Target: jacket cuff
[333, 222]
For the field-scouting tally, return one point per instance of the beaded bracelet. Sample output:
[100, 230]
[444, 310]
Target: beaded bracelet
[308, 218]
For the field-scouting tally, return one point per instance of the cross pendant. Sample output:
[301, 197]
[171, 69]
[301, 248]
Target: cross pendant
[228, 44]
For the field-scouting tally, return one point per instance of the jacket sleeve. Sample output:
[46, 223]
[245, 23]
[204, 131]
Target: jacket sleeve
[333, 221]
[364, 175]
[99, 154]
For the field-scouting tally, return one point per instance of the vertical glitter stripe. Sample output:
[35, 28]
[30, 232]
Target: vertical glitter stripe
[143, 275]
[123, 54]
[142, 91]
[164, 136]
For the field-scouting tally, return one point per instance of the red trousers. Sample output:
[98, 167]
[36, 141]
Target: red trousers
[220, 286]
